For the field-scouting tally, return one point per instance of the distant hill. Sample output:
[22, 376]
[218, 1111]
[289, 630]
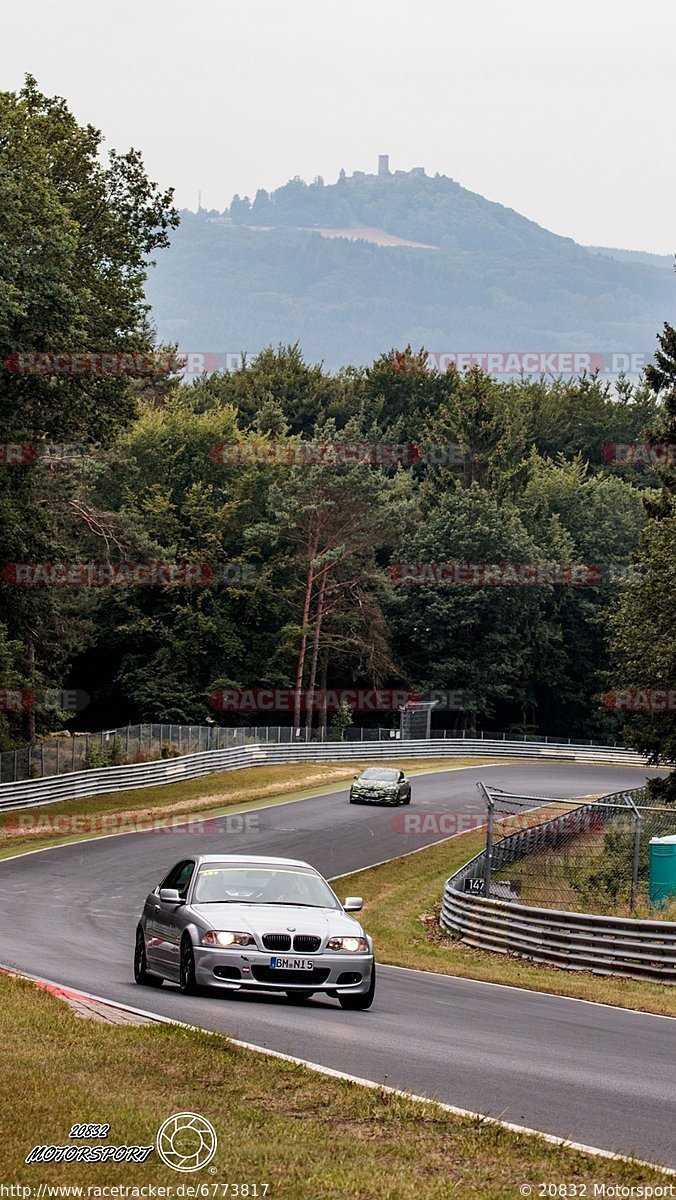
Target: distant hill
[665, 261]
[293, 265]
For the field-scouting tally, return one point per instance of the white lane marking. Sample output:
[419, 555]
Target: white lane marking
[320, 1069]
[512, 987]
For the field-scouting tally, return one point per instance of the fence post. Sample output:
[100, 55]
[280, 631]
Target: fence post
[488, 856]
[634, 866]
[126, 745]
[58, 744]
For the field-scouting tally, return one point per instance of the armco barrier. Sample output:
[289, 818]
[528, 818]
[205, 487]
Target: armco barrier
[605, 945]
[97, 781]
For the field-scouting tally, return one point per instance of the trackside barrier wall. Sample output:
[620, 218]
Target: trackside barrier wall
[100, 780]
[605, 945]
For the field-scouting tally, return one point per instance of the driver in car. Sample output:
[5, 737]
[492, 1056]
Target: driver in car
[283, 889]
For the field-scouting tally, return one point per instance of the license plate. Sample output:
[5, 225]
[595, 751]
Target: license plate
[291, 964]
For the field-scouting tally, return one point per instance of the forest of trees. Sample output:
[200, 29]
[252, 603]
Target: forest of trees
[130, 468]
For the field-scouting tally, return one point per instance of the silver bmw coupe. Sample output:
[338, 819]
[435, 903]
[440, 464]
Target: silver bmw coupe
[267, 924]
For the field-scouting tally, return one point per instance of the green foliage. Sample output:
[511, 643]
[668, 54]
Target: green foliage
[76, 230]
[644, 628]
[321, 605]
[109, 755]
[169, 750]
[342, 719]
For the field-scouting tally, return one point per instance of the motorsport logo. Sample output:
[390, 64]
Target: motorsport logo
[185, 1142]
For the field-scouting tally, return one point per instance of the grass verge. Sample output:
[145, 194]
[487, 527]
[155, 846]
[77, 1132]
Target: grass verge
[307, 1136]
[402, 900]
[211, 795]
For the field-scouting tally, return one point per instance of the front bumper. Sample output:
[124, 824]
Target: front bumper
[334, 971]
[389, 798]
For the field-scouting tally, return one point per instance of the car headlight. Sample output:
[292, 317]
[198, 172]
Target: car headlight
[354, 945]
[227, 937]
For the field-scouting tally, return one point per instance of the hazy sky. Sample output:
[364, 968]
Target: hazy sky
[563, 111]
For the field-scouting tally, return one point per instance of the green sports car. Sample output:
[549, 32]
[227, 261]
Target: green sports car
[380, 785]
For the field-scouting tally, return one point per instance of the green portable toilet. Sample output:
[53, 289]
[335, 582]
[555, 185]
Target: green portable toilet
[662, 868]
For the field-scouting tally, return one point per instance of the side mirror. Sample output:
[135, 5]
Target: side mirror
[170, 896]
[353, 904]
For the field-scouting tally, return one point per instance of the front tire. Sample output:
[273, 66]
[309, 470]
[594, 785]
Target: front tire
[360, 1002]
[186, 970]
[408, 799]
[141, 974]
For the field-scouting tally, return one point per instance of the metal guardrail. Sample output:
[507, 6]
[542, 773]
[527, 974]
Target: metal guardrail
[144, 743]
[605, 945]
[98, 781]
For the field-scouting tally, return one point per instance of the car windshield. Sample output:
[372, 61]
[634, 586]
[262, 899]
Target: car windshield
[381, 774]
[261, 884]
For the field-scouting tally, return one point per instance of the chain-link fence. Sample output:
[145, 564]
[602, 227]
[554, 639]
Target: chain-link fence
[591, 856]
[145, 743]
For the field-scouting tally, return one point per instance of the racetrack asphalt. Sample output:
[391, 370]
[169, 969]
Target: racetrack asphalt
[595, 1074]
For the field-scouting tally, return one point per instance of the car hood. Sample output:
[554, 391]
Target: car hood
[378, 785]
[274, 918]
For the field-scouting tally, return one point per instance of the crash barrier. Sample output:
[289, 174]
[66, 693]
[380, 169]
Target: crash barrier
[605, 945]
[97, 781]
[59, 755]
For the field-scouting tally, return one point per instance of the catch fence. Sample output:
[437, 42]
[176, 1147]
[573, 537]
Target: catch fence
[149, 742]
